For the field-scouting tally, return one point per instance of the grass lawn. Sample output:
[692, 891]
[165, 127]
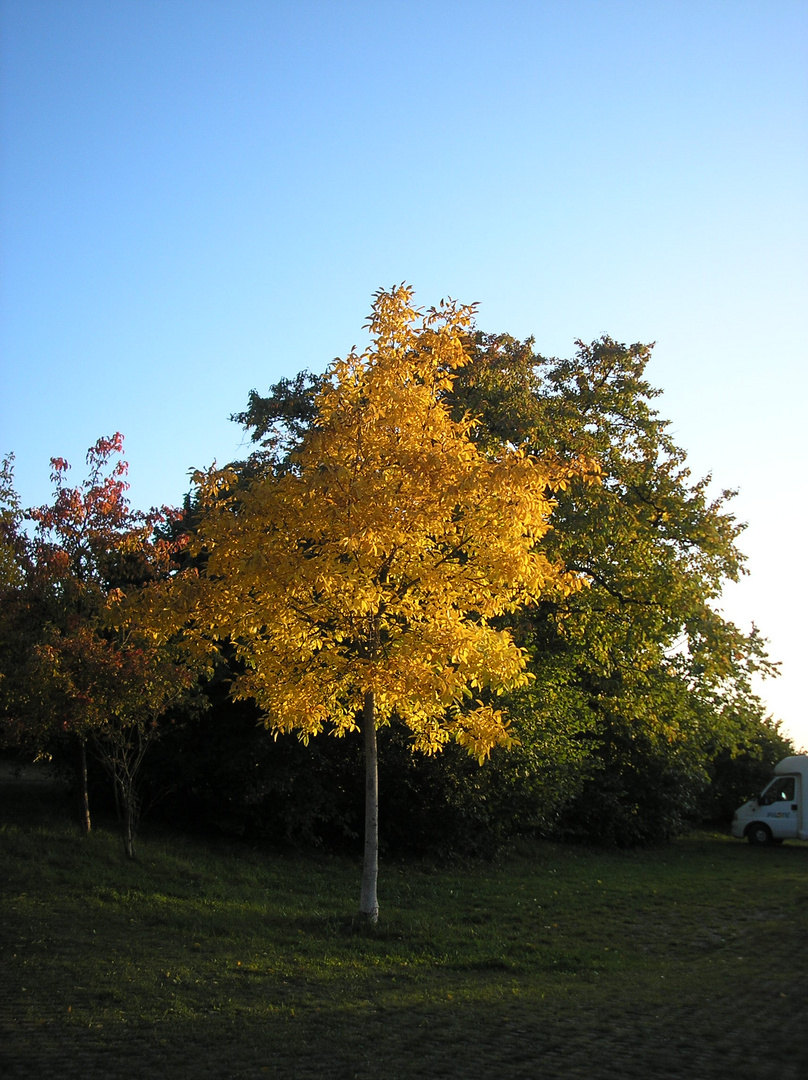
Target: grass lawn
[213, 960]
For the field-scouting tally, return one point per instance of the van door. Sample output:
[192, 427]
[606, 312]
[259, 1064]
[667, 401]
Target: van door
[780, 806]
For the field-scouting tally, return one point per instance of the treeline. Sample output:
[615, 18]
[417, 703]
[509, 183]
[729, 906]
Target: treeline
[632, 714]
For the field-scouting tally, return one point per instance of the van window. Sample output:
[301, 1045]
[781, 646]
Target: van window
[780, 790]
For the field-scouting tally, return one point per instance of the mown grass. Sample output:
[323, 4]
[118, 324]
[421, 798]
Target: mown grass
[208, 960]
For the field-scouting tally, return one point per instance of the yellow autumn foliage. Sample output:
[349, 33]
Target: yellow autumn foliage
[377, 562]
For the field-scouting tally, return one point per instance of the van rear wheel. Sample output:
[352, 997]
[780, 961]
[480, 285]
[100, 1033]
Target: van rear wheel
[759, 835]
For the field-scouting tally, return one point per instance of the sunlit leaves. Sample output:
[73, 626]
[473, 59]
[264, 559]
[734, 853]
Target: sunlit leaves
[375, 561]
[645, 652]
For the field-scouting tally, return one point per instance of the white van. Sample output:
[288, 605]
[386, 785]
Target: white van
[780, 812]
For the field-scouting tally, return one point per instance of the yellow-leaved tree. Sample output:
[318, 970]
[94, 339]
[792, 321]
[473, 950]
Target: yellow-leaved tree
[360, 584]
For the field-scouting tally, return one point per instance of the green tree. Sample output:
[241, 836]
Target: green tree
[639, 673]
[662, 681]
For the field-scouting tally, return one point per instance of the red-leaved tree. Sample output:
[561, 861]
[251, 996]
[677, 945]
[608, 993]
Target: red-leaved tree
[69, 674]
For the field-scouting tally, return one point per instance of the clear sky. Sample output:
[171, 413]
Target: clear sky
[200, 196]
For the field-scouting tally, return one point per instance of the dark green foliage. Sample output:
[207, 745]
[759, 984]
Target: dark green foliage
[278, 421]
[221, 771]
[656, 681]
[641, 719]
[734, 778]
[642, 696]
[449, 804]
[642, 794]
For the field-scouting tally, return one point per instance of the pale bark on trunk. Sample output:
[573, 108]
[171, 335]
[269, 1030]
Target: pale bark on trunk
[368, 901]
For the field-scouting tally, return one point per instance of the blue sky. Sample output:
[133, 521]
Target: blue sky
[200, 197]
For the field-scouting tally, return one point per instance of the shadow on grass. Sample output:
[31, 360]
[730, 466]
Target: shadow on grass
[210, 961]
[500, 1033]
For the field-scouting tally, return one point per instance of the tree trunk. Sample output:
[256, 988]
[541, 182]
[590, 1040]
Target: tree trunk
[84, 795]
[129, 821]
[368, 900]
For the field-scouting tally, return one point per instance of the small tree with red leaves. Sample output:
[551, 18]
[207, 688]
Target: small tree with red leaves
[73, 674]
